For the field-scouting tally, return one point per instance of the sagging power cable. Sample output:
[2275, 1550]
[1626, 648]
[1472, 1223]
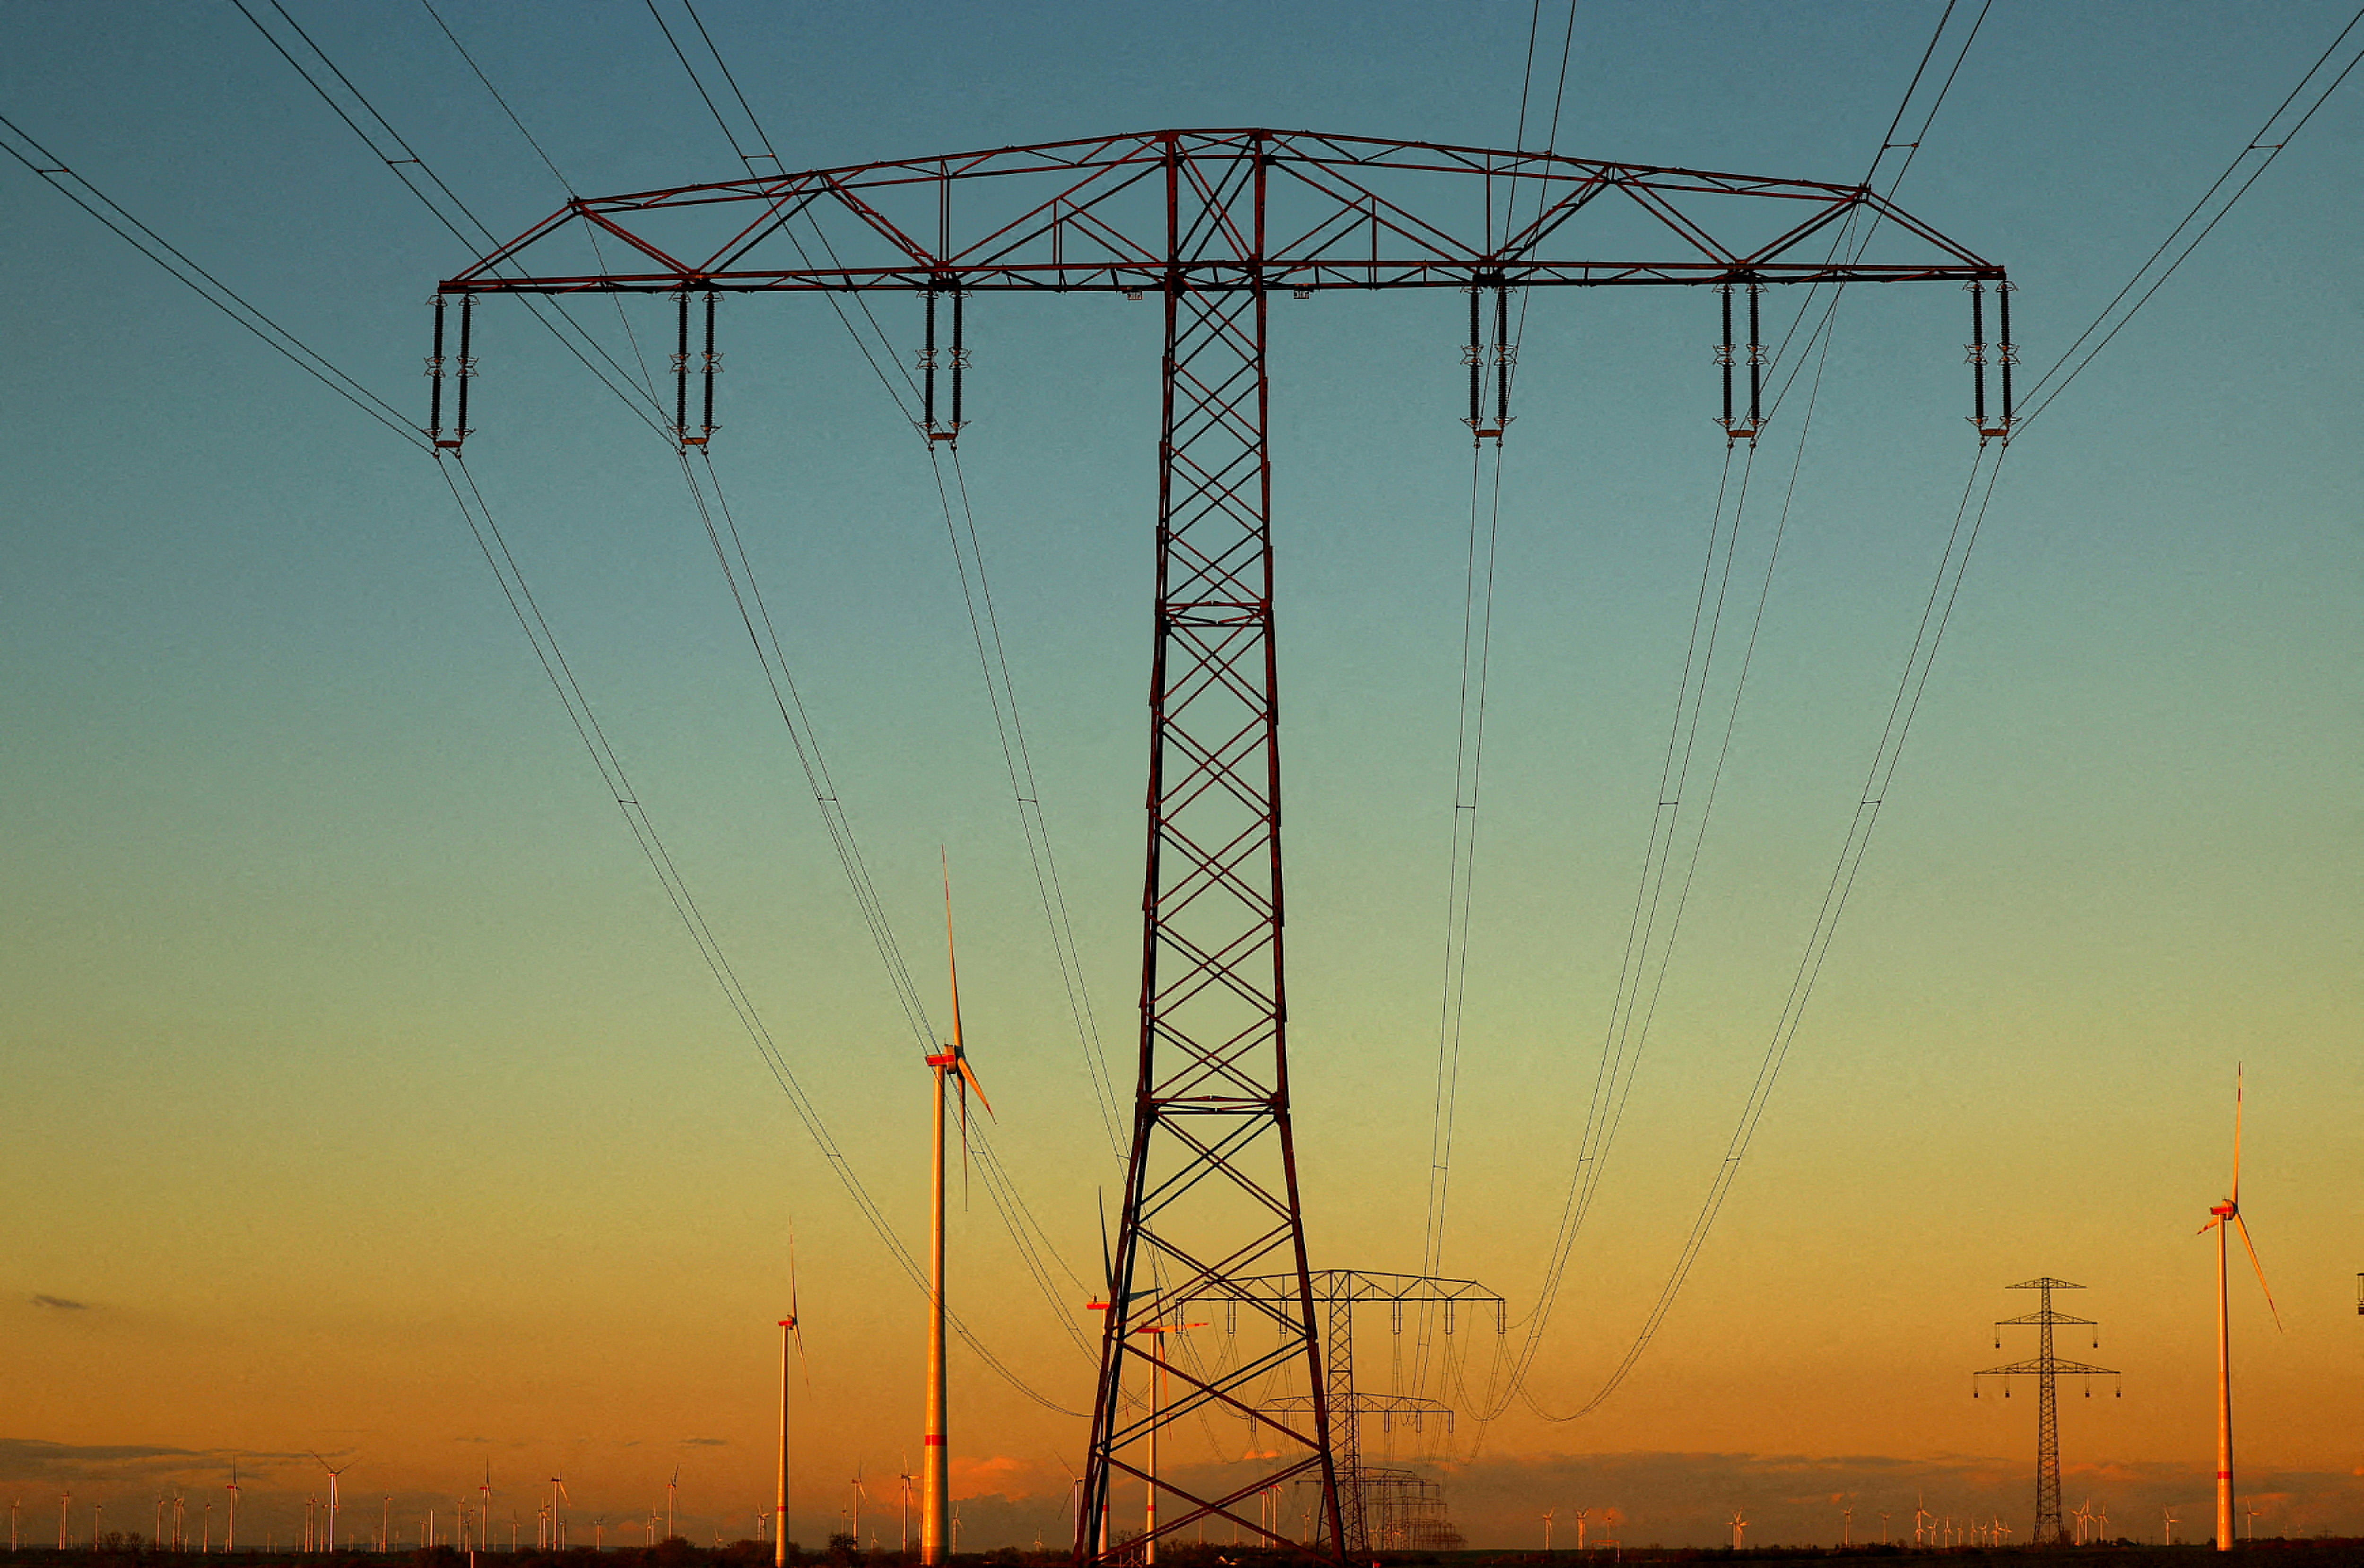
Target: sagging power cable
[211, 289]
[573, 335]
[1631, 1014]
[1913, 681]
[494, 548]
[1026, 1234]
[2268, 141]
[968, 560]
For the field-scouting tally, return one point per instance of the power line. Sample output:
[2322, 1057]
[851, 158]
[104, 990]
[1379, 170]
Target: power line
[1001, 695]
[1622, 1045]
[1000, 690]
[1913, 684]
[2045, 389]
[1016, 1216]
[569, 693]
[220, 296]
[400, 167]
[494, 548]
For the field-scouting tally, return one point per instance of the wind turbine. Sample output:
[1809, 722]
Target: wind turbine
[1739, 1523]
[1846, 1528]
[2083, 1514]
[65, 1500]
[333, 1473]
[950, 1064]
[790, 1334]
[906, 1477]
[2171, 1522]
[2222, 1216]
[2250, 1508]
[1883, 1526]
[484, 1510]
[856, 1532]
[1547, 1524]
[1920, 1514]
[1581, 1515]
[384, 1519]
[558, 1497]
[670, 1487]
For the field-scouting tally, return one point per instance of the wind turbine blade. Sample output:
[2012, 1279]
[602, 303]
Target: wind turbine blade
[1108, 1258]
[2263, 1285]
[960, 1086]
[952, 963]
[968, 1076]
[2234, 1197]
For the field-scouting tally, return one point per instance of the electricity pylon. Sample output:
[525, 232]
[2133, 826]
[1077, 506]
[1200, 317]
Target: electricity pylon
[1336, 1293]
[2044, 1368]
[1216, 224]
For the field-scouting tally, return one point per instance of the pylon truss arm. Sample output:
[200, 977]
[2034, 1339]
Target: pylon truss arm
[2040, 1318]
[1342, 213]
[1388, 1408]
[2042, 1363]
[1339, 1286]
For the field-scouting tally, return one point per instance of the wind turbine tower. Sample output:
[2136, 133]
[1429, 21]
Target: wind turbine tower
[2044, 1367]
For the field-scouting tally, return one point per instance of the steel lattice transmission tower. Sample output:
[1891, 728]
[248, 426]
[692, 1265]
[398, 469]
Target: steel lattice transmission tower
[1336, 1293]
[1215, 224]
[2044, 1367]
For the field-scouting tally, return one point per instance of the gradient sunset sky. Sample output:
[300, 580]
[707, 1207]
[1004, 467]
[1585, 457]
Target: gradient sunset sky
[365, 1094]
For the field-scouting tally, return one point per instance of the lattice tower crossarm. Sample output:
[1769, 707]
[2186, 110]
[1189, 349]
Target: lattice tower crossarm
[2044, 1367]
[1213, 222]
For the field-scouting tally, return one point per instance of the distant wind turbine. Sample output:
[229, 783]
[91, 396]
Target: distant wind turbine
[790, 1335]
[1547, 1524]
[333, 1473]
[2249, 1509]
[1739, 1523]
[953, 1072]
[1581, 1515]
[230, 1541]
[2171, 1522]
[670, 1487]
[906, 1477]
